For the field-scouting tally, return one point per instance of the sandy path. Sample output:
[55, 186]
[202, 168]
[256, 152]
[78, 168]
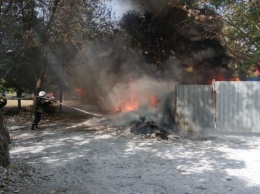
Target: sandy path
[70, 157]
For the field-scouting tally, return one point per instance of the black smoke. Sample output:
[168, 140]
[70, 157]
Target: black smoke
[183, 32]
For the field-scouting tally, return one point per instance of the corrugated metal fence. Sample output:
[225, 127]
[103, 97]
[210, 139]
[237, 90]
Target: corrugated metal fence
[194, 107]
[238, 106]
[235, 107]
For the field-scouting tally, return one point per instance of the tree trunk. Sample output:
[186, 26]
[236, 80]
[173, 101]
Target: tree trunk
[19, 95]
[42, 76]
[45, 41]
[4, 141]
[41, 79]
[61, 97]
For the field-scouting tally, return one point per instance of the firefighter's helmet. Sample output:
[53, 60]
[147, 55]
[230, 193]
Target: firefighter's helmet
[42, 93]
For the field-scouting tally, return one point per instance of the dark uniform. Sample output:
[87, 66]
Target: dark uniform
[3, 101]
[41, 104]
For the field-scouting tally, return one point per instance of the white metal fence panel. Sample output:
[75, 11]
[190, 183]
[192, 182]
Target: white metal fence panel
[238, 106]
[194, 107]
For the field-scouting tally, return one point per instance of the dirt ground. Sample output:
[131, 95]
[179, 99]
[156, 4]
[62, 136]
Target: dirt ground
[79, 154]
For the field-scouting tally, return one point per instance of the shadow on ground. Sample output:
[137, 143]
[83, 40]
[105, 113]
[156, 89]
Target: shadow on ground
[78, 160]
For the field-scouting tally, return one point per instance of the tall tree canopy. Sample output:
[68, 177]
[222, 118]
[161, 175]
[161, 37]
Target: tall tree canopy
[44, 37]
[241, 30]
[17, 43]
[37, 34]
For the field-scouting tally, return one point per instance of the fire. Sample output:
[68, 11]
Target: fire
[220, 76]
[128, 105]
[133, 104]
[235, 79]
[80, 92]
[133, 97]
[153, 101]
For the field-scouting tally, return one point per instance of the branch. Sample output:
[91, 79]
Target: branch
[235, 26]
[256, 7]
[23, 7]
[7, 10]
[56, 2]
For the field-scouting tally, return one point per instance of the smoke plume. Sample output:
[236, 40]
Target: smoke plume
[159, 45]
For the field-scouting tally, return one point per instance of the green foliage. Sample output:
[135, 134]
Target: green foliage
[29, 40]
[241, 30]
[251, 61]
[2, 88]
[18, 45]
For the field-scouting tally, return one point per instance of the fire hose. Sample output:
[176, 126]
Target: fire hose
[86, 112]
[31, 98]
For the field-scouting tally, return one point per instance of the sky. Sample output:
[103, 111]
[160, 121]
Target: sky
[120, 7]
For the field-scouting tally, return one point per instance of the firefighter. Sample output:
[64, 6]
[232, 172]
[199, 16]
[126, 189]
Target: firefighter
[3, 101]
[41, 103]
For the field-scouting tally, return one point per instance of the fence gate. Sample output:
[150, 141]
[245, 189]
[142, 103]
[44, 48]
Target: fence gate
[238, 106]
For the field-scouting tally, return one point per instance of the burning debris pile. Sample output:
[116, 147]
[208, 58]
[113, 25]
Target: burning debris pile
[161, 44]
[151, 130]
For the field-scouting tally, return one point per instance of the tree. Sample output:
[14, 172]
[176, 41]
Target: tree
[49, 37]
[241, 30]
[19, 46]
[4, 141]
[65, 32]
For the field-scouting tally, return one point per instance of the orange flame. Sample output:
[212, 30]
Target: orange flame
[153, 101]
[134, 97]
[128, 106]
[133, 104]
[218, 75]
[235, 79]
